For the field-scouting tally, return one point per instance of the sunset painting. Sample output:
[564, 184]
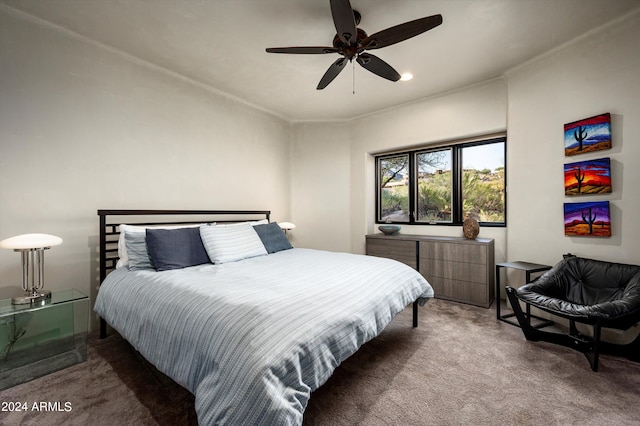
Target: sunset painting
[588, 135]
[587, 219]
[588, 177]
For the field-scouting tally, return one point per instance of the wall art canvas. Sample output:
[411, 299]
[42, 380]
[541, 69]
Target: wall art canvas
[588, 177]
[587, 135]
[590, 219]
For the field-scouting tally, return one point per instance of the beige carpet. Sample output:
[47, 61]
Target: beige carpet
[459, 367]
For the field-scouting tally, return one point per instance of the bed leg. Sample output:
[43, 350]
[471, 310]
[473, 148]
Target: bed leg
[415, 314]
[103, 328]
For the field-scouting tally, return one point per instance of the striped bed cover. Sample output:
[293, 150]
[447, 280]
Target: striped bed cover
[252, 339]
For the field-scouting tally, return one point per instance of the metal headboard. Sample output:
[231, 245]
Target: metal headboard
[110, 221]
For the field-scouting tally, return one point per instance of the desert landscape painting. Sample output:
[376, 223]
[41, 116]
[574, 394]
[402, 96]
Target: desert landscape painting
[588, 177]
[589, 219]
[587, 135]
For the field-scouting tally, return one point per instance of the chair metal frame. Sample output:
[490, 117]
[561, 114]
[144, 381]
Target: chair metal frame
[590, 346]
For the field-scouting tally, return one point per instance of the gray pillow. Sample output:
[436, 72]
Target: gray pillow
[272, 237]
[175, 248]
[136, 243]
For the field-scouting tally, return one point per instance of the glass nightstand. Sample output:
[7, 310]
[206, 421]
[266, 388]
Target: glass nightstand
[43, 337]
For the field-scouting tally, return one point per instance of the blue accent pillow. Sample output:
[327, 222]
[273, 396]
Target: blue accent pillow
[272, 237]
[175, 248]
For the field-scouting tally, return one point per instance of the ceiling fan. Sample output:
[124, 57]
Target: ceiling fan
[352, 42]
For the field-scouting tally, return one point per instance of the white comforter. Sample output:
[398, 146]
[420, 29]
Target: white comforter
[252, 339]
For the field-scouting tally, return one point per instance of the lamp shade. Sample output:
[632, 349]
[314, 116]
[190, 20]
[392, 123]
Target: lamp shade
[30, 241]
[286, 225]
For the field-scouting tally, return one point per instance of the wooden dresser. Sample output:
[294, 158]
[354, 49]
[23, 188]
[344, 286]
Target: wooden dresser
[458, 269]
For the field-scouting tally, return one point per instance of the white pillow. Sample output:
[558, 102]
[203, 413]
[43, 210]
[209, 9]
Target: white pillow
[230, 243]
[122, 246]
[252, 223]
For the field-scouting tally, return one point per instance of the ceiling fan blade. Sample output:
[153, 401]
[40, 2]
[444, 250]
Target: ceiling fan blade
[332, 73]
[344, 21]
[303, 50]
[401, 32]
[377, 66]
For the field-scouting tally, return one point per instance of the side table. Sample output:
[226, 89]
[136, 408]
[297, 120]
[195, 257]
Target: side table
[529, 268]
[42, 337]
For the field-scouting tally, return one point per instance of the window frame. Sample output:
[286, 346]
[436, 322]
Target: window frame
[456, 185]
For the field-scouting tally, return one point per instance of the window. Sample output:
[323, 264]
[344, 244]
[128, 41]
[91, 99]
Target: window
[393, 175]
[435, 186]
[443, 185]
[483, 182]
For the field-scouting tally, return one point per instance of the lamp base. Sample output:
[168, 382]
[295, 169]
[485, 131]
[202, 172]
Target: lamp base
[35, 297]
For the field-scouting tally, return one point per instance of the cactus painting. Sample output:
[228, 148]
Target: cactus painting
[587, 135]
[588, 177]
[587, 219]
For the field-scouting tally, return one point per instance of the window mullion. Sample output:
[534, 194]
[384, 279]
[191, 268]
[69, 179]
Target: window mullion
[413, 184]
[457, 185]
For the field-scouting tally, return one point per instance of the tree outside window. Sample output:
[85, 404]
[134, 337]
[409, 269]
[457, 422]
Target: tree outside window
[434, 186]
[393, 178]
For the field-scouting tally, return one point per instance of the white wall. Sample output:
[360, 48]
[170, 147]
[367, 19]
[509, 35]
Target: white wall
[84, 128]
[598, 74]
[320, 186]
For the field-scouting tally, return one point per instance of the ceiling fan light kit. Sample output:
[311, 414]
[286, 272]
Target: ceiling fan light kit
[352, 42]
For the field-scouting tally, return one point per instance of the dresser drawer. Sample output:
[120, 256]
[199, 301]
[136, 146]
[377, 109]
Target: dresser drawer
[469, 272]
[400, 250]
[459, 291]
[471, 253]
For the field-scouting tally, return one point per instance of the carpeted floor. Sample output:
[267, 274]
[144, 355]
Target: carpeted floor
[460, 367]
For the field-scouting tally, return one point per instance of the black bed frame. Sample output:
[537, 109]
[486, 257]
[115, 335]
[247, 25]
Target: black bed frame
[110, 221]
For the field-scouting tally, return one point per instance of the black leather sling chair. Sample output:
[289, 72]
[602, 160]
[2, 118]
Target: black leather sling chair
[594, 292]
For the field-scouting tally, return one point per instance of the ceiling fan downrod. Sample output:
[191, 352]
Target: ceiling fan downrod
[353, 67]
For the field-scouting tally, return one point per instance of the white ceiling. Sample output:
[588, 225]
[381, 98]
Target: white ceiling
[221, 43]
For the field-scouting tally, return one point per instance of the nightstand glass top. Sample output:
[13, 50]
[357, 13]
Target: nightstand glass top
[57, 297]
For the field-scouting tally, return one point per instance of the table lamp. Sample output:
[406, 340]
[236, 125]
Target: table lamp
[32, 247]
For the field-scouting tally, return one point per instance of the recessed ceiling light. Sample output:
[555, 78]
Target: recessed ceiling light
[406, 76]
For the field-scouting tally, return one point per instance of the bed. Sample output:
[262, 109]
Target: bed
[253, 337]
